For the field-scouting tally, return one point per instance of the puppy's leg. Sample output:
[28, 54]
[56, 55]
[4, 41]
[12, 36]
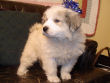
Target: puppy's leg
[50, 67]
[27, 59]
[66, 69]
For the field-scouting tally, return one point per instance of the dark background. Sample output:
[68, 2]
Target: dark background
[14, 28]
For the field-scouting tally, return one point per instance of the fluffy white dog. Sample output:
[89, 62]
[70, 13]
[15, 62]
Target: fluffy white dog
[59, 41]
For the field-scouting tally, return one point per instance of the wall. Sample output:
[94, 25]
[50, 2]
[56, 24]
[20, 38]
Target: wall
[102, 35]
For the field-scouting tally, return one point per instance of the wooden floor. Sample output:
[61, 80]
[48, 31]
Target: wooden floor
[36, 75]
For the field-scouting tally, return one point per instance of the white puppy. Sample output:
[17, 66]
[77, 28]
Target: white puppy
[59, 41]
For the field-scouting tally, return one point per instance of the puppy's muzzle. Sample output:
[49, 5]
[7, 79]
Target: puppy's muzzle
[45, 28]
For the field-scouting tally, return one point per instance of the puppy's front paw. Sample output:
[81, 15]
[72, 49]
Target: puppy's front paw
[53, 79]
[21, 72]
[65, 76]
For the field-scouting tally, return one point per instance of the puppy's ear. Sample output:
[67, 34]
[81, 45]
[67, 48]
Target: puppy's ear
[73, 20]
[44, 18]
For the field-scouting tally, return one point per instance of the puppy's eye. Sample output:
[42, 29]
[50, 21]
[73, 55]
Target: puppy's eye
[56, 20]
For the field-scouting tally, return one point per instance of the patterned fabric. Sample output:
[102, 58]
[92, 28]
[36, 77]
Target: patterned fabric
[90, 16]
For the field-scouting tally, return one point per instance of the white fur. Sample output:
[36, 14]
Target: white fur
[55, 30]
[59, 46]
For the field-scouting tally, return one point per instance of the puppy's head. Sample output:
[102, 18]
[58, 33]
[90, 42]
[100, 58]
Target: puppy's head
[60, 22]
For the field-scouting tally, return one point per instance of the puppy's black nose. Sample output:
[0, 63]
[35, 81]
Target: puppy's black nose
[45, 28]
